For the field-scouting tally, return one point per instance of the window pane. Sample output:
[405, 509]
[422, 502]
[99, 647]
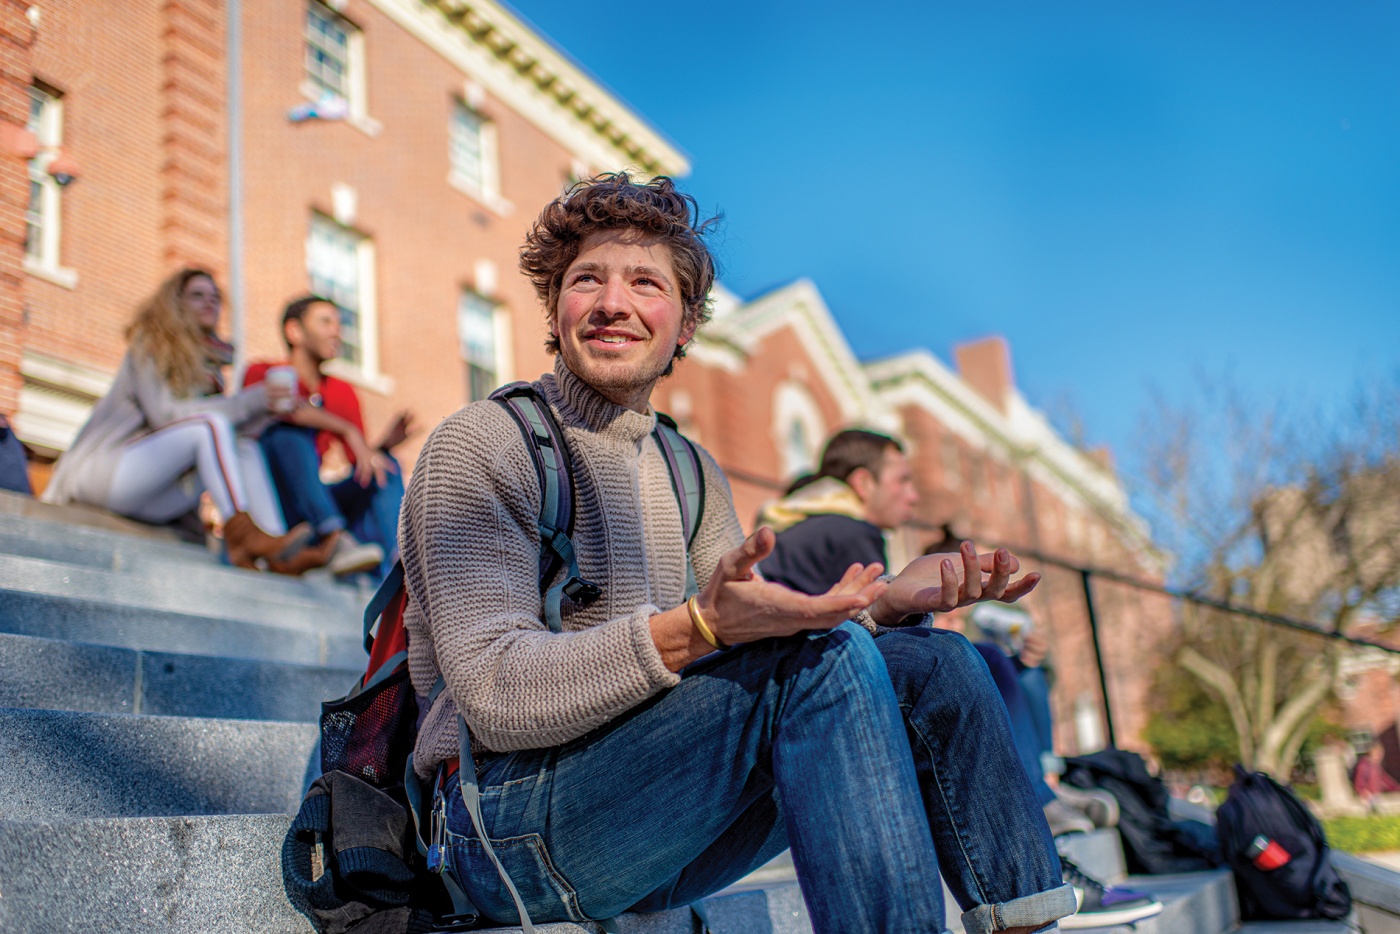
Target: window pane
[333, 265]
[465, 144]
[327, 50]
[37, 100]
[476, 329]
[481, 382]
[34, 220]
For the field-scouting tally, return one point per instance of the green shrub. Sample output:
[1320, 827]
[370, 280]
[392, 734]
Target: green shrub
[1189, 729]
[1363, 834]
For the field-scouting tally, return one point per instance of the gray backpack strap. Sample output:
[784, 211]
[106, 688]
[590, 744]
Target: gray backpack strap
[687, 482]
[471, 798]
[549, 452]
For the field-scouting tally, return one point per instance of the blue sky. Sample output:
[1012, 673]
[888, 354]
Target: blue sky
[1132, 193]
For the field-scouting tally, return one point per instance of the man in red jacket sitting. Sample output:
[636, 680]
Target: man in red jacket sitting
[356, 518]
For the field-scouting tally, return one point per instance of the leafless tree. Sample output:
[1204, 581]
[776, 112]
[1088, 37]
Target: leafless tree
[1279, 515]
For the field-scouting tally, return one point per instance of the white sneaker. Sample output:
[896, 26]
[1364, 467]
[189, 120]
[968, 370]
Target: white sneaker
[1063, 819]
[1100, 806]
[351, 556]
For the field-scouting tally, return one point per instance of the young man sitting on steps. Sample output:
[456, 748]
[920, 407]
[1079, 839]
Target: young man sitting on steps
[356, 518]
[666, 743]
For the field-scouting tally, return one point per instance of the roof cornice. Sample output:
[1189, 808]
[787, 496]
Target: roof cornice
[799, 305]
[1045, 454]
[512, 62]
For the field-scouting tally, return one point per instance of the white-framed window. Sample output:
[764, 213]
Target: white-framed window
[798, 428]
[340, 267]
[472, 154]
[43, 215]
[335, 63]
[483, 337]
[327, 51]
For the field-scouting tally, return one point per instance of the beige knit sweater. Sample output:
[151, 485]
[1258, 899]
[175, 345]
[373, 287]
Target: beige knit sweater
[470, 547]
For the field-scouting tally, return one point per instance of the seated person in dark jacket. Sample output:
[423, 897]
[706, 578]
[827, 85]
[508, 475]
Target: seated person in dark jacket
[838, 518]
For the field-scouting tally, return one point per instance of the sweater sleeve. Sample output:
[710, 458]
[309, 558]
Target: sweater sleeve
[470, 545]
[160, 406]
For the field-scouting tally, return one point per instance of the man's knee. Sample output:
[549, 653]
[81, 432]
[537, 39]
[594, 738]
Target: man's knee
[918, 656]
[849, 652]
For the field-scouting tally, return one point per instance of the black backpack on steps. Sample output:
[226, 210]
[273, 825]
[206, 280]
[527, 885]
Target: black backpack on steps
[1278, 852]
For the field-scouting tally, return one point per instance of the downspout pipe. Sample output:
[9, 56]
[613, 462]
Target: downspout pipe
[236, 284]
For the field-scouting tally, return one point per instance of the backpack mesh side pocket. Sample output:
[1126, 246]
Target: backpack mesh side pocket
[370, 733]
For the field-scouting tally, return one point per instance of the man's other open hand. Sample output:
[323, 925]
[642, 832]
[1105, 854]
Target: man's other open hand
[939, 583]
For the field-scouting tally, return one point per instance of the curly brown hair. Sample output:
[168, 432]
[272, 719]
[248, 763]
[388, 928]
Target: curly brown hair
[613, 201]
[166, 332]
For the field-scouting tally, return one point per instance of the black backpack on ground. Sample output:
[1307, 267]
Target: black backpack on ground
[1278, 852]
[1153, 843]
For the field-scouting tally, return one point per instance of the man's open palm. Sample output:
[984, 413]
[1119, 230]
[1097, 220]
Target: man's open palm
[939, 583]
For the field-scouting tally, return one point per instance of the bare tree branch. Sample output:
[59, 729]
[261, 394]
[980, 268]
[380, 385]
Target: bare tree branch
[1218, 680]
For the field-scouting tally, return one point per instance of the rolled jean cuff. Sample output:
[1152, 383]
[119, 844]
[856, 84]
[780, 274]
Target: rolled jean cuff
[1039, 911]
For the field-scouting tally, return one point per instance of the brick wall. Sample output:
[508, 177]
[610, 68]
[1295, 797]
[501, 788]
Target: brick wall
[193, 125]
[16, 43]
[429, 236]
[108, 69]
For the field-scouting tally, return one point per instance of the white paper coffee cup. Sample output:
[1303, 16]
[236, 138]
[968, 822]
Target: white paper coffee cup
[284, 377]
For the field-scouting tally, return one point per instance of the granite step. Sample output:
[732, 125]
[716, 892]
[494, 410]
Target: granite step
[134, 627]
[51, 674]
[60, 764]
[248, 596]
[1298, 927]
[100, 549]
[194, 875]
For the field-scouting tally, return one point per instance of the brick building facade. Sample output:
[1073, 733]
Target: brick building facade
[391, 153]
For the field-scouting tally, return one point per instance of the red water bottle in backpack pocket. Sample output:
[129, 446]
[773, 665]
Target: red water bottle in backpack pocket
[1267, 854]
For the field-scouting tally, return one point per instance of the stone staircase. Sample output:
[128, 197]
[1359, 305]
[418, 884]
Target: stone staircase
[157, 719]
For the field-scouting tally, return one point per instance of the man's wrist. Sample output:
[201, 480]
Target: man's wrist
[880, 612]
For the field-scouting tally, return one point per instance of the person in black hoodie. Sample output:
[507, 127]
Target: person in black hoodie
[837, 518]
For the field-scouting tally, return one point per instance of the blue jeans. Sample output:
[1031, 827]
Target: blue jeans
[1036, 690]
[1018, 708]
[371, 513]
[878, 761]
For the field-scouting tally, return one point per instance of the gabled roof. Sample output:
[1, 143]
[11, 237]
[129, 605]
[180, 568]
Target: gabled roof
[739, 329]
[522, 68]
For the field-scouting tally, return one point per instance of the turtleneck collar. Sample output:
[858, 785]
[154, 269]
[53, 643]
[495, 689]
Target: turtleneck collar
[581, 405]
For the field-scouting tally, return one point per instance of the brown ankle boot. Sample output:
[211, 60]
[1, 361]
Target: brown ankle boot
[246, 542]
[308, 559]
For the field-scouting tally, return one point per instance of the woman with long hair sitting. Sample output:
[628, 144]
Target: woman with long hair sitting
[165, 432]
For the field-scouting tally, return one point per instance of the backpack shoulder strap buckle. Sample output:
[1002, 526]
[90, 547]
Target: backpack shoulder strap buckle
[582, 591]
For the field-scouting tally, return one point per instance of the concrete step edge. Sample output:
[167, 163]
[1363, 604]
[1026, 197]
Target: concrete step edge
[98, 623]
[135, 562]
[169, 590]
[51, 674]
[1194, 903]
[90, 765]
